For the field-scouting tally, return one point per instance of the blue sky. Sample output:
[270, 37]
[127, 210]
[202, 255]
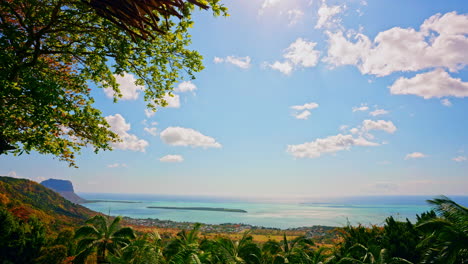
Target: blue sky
[298, 98]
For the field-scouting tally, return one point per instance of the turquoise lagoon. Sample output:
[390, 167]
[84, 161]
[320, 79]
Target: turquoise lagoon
[367, 210]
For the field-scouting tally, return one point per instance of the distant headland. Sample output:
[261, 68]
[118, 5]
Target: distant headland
[200, 209]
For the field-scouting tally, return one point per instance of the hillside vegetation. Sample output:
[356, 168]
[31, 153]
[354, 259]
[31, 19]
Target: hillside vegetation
[25, 198]
[29, 214]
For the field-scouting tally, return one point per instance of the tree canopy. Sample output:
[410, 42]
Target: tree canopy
[53, 51]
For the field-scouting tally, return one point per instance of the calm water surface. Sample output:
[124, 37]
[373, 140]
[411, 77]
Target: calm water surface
[308, 212]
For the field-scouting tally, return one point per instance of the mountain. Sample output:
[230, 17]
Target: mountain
[26, 198]
[64, 188]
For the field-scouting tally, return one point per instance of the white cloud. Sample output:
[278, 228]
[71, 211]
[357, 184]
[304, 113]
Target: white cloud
[172, 158]
[304, 115]
[283, 67]
[436, 83]
[440, 42]
[128, 141]
[326, 15]
[117, 165]
[460, 158]
[218, 60]
[268, 4]
[179, 136]
[149, 113]
[127, 86]
[172, 101]
[302, 110]
[378, 112]
[415, 155]
[300, 53]
[308, 106]
[241, 62]
[361, 108]
[294, 15]
[446, 102]
[387, 126]
[330, 144]
[187, 86]
[344, 127]
[151, 130]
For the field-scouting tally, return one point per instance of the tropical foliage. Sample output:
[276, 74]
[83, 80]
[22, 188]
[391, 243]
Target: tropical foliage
[52, 50]
[439, 236]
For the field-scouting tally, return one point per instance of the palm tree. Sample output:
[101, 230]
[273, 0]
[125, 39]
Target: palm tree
[145, 249]
[447, 235]
[294, 251]
[360, 254]
[103, 236]
[185, 248]
[239, 252]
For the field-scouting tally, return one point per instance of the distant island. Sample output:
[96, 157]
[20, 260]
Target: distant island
[200, 209]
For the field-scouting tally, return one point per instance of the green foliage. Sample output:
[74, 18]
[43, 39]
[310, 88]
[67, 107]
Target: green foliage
[102, 236]
[446, 239]
[436, 238]
[51, 51]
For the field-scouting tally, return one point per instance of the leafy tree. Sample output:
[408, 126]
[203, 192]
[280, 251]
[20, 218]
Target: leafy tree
[293, 251]
[145, 249]
[446, 239]
[239, 252]
[185, 248]
[102, 236]
[374, 255]
[51, 51]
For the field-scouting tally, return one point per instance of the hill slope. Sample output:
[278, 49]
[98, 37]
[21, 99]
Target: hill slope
[25, 198]
[64, 188]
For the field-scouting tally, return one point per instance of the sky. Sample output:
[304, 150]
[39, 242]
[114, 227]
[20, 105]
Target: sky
[298, 98]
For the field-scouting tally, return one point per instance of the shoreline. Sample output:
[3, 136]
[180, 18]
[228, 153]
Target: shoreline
[199, 209]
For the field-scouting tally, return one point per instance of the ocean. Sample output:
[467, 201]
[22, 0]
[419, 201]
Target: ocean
[337, 211]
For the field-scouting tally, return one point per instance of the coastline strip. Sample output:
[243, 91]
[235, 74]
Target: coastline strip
[199, 209]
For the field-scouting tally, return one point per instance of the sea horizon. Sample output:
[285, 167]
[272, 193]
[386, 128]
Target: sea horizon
[328, 211]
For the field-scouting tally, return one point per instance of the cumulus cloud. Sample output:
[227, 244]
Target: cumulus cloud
[294, 15]
[283, 67]
[151, 130]
[172, 101]
[304, 115]
[127, 86]
[446, 102]
[441, 41]
[326, 15]
[172, 158]
[415, 155]
[180, 136]
[302, 111]
[187, 86]
[378, 112]
[436, 83]
[117, 165]
[149, 113]
[241, 62]
[300, 53]
[387, 126]
[361, 108]
[305, 106]
[460, 158]
[128, 141]
[331, 144]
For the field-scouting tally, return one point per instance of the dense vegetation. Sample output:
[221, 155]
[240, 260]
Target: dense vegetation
[25, 198]
[439, 236]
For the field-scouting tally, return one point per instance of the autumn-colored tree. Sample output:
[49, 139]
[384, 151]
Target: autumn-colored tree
[52, 50]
